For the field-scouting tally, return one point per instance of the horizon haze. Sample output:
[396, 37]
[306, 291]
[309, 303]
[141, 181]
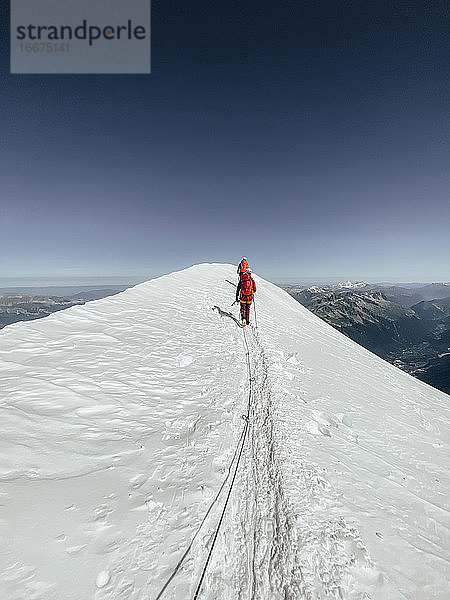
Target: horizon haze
[103, 281]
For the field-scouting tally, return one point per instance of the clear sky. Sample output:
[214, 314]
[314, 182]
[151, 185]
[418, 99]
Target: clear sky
[308, 136]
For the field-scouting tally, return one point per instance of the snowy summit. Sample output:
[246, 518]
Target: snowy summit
[353, 284]
[122, 422]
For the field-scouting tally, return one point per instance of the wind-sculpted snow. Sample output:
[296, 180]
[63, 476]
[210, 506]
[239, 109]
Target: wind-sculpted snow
[120, 419]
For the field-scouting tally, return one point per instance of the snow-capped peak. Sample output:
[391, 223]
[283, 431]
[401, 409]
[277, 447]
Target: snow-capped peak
[352, 284]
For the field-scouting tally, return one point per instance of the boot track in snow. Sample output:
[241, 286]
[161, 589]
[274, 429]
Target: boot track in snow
[263, 527]
[268, 544]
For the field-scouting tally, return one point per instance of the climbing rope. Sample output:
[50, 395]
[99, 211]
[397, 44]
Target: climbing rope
[188, 549]
[254, 307]
[237, 453]
[216, 533]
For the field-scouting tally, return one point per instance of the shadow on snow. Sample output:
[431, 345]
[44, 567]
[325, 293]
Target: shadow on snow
[223, 313]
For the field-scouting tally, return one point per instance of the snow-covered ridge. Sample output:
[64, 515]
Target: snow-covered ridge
[119, 419]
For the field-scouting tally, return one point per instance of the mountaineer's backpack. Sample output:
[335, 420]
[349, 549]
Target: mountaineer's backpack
[246, 284]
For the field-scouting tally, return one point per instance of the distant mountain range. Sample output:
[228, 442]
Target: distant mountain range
[19, 304]
[412, 296]
[409, 327]
[62, 290]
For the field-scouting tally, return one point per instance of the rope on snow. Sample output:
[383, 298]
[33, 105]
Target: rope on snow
[237, 453]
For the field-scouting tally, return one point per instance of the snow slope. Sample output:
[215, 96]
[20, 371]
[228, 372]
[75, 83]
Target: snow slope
[119, 420]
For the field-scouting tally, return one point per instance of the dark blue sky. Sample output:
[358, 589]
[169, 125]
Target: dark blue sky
[308, 136]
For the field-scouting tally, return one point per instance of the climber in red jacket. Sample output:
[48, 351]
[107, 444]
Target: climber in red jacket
[244, 294]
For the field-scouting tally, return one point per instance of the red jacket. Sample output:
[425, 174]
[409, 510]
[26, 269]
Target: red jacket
[238, 289]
